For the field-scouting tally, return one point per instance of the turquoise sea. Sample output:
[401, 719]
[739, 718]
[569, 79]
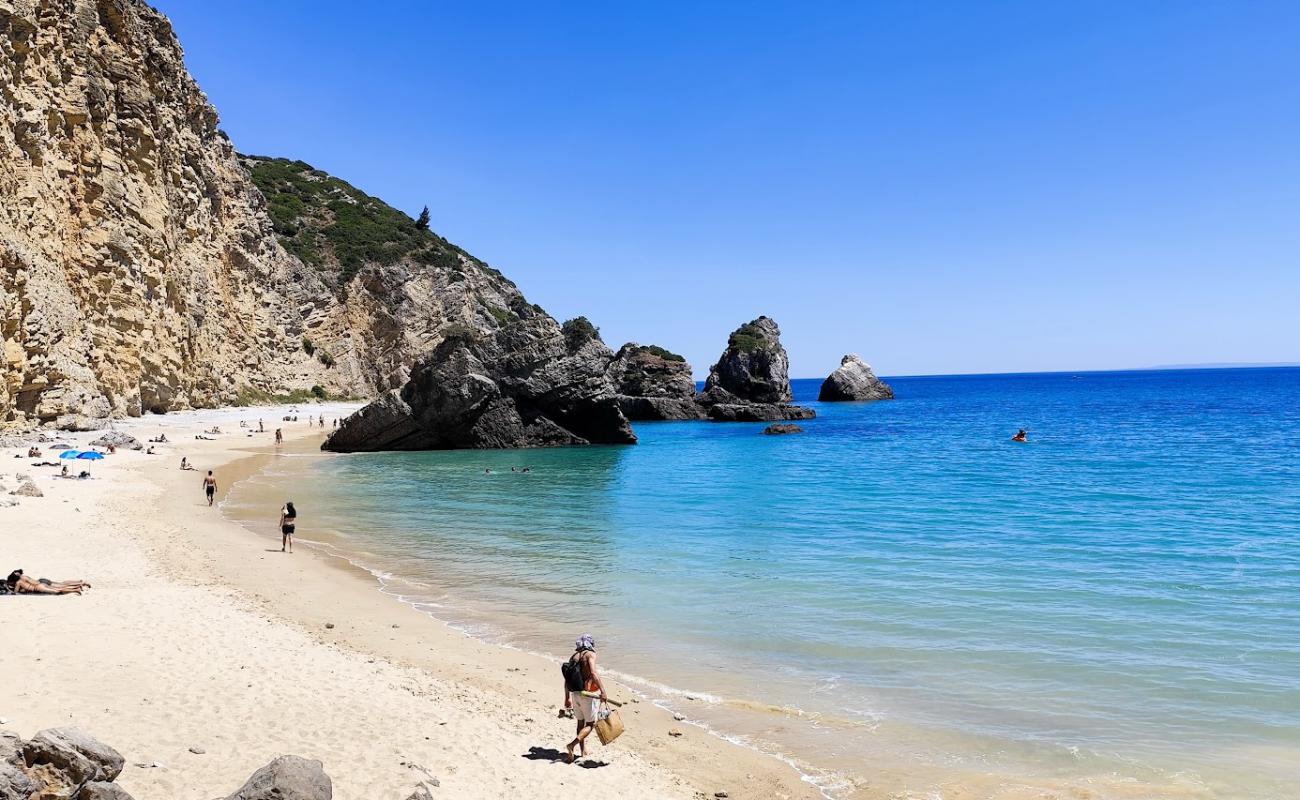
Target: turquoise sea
[900, 599]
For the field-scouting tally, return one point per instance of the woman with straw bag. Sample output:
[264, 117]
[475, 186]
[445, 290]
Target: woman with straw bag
[583, 691]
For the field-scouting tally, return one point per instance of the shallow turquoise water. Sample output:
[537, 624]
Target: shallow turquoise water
[1119, 598]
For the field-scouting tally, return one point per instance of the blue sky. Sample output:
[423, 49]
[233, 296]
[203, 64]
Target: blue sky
[965, 187]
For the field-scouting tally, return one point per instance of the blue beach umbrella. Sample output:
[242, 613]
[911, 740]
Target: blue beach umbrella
[90, 456]
[69, 454]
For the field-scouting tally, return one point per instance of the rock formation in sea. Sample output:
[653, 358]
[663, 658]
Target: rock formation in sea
[145, 266]
[854, 380]
[654, 384]
[751, 380]
[532, 383]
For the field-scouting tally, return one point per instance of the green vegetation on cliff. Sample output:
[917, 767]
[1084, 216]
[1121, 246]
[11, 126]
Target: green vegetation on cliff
[664, 353]
[335, 227]
[748, 338]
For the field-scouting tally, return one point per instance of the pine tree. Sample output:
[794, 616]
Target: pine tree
[423, 222]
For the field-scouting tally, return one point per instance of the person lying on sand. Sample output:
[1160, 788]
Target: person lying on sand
[580, 676]
[18, 583]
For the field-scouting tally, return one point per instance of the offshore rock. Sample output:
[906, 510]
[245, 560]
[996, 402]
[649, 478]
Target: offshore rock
[530, 384]
[854, 380]
[653, 384]
[782, 428]
[751, 380]
[758, 412]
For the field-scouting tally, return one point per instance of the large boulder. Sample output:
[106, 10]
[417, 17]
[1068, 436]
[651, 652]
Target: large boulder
[287, 778]
[64, 760]
[118, 439]
[854, 380]
[529, 384]
[653, 384]
[751, 381]
[14, 783]
[103, 790]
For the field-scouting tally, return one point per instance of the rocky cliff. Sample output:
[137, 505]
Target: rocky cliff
[139, 272]
[854, 380]
[532, 383]
[145, 266]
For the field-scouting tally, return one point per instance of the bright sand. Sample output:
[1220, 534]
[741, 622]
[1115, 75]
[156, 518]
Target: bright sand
[198, 634]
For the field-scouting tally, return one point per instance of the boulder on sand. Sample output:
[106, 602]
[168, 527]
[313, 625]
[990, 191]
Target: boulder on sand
[854, 380]
[66, 759]
[287, 778]
[118, 439]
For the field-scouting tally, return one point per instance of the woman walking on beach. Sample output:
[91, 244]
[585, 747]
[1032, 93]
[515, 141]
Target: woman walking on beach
[580, 680]
[288, 520]
[210, 486]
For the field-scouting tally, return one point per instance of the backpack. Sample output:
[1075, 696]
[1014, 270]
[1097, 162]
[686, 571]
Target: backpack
[572, 671]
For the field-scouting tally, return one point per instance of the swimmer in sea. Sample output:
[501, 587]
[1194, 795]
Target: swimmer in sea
[1020, 436]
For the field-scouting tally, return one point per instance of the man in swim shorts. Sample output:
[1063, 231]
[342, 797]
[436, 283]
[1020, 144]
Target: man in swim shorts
[210, 487]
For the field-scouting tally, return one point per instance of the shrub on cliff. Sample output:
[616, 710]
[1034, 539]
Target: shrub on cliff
[578, 331]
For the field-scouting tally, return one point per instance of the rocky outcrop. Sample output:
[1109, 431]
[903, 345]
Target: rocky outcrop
[529, 384]
[781, 429]
[751, 380]
[654, 384]
[287, 778]
[854, 380]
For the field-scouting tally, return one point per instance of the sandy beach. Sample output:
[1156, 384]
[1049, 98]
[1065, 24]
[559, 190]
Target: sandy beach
[199, 635]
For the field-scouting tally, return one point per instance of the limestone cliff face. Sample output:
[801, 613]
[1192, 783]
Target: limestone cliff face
[138, 271]
[146, 266]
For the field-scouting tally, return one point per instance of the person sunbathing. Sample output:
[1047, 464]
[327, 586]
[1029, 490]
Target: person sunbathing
[18, 583]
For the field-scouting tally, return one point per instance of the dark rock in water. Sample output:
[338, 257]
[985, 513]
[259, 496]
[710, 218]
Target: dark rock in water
[65, 759]
[103, 790]
[757, 412]
[529, 384]
[781, 428]
[751, 381]
[287, 778]
[854, 380]
[118, 439]
[653, 384]
[753, 369]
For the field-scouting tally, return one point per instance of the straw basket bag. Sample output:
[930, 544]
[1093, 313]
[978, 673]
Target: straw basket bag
[609, 725]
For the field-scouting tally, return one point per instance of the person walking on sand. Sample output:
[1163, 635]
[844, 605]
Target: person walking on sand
[210, 486]
[580, 677]
[279, 437]
[288, 521]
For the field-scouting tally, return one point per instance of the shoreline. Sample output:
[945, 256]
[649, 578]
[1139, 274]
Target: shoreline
[152, 534]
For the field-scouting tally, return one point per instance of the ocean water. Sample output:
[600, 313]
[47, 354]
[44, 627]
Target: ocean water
[900, 599]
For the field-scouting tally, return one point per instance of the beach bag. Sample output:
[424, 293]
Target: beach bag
[572, 672]
[609, 725]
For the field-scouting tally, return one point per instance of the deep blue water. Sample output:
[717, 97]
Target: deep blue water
[1119, 597]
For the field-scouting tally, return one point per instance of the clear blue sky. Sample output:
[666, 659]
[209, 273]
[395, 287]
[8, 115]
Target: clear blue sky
[965, 187]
